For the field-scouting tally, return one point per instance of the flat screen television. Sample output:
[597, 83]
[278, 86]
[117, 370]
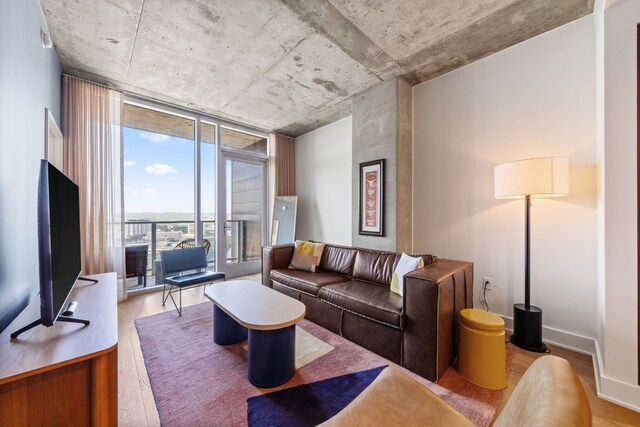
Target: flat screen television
[58, 247]
[58, 240]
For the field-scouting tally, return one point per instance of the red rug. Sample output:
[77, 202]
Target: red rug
[196, 382]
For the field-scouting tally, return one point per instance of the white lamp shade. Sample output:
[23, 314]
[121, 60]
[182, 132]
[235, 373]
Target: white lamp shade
[543, 176]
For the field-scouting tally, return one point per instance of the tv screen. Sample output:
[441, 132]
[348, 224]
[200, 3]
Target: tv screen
[59, 240]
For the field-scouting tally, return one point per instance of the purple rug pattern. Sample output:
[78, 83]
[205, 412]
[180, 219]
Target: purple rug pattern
[196, 382]
[310, 404]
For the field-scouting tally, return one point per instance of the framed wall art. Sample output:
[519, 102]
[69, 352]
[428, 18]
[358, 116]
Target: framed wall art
[372, 198]
[53, 141]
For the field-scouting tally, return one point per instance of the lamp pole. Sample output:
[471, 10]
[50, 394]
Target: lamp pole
[527, 265]
[527, 318]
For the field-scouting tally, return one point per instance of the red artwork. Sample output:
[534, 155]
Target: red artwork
[371, 200]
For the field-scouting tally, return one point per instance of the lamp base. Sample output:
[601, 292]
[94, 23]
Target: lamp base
[527, 328]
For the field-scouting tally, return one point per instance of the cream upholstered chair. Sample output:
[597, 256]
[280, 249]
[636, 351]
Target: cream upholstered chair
[549, 394]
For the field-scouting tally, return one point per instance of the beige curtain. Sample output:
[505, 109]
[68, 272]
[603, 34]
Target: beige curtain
[92, 118]
[285, 170]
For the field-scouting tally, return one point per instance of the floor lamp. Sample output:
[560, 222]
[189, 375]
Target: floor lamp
[540, 177]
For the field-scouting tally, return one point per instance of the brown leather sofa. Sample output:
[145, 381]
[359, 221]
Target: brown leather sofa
[350, 295]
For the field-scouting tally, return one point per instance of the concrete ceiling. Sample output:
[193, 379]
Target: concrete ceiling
[285, 65]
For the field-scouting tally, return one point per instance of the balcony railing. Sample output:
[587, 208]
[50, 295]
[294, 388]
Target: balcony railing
[165, 235]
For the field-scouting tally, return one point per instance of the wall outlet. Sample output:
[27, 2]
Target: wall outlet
[487, 283]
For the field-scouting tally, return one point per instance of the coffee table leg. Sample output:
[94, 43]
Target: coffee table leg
[226, 330]
[272, 356]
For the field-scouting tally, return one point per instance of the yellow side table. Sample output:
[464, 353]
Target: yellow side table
[482, 349]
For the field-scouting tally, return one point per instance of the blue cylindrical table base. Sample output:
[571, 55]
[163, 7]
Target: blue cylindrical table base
[271, 356]
[226, 330]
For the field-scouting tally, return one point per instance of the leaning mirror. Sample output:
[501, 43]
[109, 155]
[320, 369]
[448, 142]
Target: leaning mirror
[284, 220]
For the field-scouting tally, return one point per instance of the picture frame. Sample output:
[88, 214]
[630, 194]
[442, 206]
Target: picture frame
[53, 141]
[371, 198]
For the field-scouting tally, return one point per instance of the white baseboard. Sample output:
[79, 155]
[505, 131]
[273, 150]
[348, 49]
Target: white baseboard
[618, 392]
[560, 338]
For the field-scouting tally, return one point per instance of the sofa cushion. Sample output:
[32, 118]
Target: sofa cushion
[338, 259]
[375, 266]
[364, 299]
[406, 265]
[306, 255]
[305, 281]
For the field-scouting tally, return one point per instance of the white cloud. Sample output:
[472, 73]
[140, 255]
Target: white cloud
[128, 163]
[150, 191]
[154, 137]
[160, 169]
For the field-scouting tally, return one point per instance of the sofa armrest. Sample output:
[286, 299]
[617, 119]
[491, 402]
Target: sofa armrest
[433, 298]
[274, 257]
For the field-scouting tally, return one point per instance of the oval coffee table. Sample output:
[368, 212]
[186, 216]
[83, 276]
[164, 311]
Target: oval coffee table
[243, 307]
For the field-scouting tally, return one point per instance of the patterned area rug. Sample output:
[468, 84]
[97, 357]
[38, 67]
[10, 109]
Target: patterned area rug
[309, 404]
[196, 382]
[308, 348]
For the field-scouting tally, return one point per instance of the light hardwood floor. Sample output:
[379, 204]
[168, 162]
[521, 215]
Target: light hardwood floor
[137, 407]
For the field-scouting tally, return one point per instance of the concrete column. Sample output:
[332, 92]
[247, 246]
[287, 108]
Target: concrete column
[382, 130]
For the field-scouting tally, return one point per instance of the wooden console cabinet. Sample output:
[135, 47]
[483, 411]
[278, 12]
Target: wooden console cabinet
[66, 374]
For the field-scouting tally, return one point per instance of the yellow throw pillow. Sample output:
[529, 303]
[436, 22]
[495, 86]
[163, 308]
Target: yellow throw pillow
[406, 265]
[306, 255]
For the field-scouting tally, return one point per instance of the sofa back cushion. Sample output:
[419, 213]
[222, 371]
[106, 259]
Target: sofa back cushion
[338, 259]
[374, 266]
[307, 255]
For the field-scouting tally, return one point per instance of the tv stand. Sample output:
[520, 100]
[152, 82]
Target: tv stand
[26, 328]
[72, 320]
[39, 322]
[82, 362]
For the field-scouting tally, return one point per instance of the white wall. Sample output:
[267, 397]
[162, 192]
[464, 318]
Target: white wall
[618, 337]
[534, 99]
[323, 183]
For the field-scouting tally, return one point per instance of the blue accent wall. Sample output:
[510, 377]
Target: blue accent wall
[30, 80]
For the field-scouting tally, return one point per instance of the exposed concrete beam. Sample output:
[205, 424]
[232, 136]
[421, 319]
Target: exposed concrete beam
[327, 20]
[325, 116]
[515, 23]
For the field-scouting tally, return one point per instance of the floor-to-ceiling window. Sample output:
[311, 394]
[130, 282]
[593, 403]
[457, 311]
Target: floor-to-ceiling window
[244, 198]
[189, 178]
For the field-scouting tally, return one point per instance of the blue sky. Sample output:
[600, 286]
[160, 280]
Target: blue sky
[158, 173]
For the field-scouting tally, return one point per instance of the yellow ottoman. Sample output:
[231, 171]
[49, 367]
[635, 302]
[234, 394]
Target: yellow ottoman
[482, 349]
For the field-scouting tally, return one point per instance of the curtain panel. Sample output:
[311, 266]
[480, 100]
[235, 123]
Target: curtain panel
[285, 170]
[92, 128]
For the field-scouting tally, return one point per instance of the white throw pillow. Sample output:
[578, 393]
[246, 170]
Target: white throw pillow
[406, 265]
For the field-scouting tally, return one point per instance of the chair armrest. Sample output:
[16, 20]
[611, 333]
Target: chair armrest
[549, 393]
[433, 298]
[274, 257]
